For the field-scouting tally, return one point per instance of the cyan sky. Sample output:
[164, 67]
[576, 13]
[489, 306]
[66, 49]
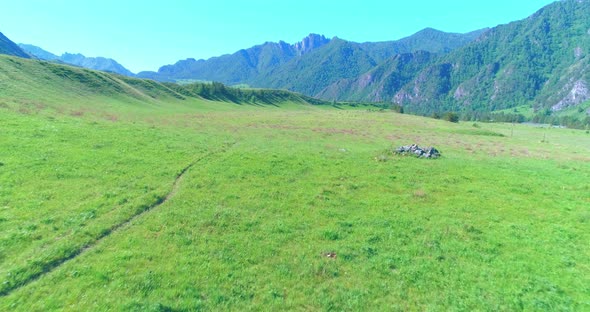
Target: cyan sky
[146, 34]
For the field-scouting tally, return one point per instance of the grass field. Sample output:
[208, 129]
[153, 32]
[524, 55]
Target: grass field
[110, 202]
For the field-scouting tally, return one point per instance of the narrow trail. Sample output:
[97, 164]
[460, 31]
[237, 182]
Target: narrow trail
[53, 265]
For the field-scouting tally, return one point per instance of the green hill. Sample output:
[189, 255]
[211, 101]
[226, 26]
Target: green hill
[39, 85]
[541, 61]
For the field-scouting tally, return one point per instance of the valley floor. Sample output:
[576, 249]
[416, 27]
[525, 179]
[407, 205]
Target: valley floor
[296, 208]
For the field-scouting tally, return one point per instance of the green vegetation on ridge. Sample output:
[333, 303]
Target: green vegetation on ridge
[539, 61]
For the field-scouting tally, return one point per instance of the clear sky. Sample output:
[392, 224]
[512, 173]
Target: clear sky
[146, 34]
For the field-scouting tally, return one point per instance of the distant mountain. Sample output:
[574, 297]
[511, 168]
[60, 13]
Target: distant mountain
[340, 59]
[543, 61]
[436, 41]
[38, 52]
[10, 48]
[312, 72]
[240, 67]
[96, 63]
[307, 66]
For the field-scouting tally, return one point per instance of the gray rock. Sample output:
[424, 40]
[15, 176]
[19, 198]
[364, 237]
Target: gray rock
[415, 150]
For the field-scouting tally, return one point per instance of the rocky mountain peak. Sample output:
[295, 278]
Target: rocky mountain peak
[309, 43]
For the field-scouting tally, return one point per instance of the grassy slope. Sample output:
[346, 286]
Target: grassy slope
[499, 223]
[81, 153]
[31, 86]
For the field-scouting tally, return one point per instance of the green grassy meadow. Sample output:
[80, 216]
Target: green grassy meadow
[137, 200]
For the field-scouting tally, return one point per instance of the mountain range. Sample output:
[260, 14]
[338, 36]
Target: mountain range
[541, 62]
[315, 59]
[77, 59]
[341, 59]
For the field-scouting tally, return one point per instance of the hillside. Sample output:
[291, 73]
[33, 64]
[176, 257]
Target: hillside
[541, 61]
[60, 87]
[382, 82]
[96, 63]
[55, 82]
[274, 65]
[10, 48]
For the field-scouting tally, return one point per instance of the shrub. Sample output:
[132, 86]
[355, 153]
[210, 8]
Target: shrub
[397, 108]
[452, 117]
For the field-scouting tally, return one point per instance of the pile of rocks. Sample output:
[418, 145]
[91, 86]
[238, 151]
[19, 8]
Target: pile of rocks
[415, 150]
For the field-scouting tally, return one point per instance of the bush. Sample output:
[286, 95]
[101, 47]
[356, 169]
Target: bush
[452, 117]
[397, 108]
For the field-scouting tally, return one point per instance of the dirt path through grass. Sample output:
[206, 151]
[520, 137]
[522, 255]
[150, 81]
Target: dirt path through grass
[51, 266]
